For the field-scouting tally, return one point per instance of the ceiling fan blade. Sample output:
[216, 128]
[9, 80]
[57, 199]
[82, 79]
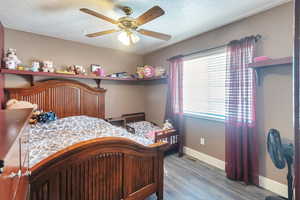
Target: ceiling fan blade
[93, 13]
[150, 15]
[157, 35]
[102, 33]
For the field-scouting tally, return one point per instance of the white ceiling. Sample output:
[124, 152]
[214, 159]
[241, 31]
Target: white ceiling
[183, 18]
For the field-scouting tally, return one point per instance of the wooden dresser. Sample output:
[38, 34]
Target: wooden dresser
[13, 154]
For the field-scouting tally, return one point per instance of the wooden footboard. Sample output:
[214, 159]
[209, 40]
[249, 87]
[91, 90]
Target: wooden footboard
[100, 169]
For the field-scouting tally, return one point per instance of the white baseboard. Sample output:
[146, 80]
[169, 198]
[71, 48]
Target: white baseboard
[273, 186]
[205, 158]
[264, 182]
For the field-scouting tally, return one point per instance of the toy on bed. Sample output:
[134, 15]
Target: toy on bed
[137, 124]
[39, 116]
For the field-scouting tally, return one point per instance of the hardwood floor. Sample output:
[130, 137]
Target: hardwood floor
[188, 179]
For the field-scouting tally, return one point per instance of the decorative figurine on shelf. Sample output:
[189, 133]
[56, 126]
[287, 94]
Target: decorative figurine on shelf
[35, 67]
[145, 72]
[140, 72]
[11, 60]
[76, 69]
[160, 71]
[167, 125]
[95, 68]
[148, 71]
[100, 72]
[71, 69]
[80, 70]
[48, 66]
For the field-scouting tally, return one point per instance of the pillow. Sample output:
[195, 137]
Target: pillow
[15, 104]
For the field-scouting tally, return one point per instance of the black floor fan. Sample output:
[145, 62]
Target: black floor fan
[281, 155]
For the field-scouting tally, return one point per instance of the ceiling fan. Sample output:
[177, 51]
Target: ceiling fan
[128, 26]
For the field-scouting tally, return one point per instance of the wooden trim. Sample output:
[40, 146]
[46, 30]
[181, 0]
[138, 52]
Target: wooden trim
[272, 63]
[296, 74]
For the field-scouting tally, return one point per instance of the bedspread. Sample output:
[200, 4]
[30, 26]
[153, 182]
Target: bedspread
[144, 128]
[47, 139]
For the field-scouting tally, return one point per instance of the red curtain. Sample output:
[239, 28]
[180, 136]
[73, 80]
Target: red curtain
[241, 131]
[174, 107]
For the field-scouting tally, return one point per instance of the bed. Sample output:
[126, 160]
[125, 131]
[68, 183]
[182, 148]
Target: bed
[136, 123]
[97, 160]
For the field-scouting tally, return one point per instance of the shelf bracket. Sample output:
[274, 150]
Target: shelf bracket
[30, 78]
[98, 82]
[257, 74]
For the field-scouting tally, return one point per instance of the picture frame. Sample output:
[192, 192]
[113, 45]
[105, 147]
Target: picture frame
[95, 67]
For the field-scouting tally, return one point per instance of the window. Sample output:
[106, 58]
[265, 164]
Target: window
[204, 84]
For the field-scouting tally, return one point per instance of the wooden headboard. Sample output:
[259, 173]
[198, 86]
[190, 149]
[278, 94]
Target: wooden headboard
[65, 98]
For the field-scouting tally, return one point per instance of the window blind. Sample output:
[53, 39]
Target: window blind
[204, 84]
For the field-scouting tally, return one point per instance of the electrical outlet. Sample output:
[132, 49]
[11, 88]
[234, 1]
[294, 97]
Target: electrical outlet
[202, 141]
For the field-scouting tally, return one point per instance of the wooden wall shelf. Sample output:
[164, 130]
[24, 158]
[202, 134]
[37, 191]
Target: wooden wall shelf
[257, 66]
[98, 79]
[272, 63]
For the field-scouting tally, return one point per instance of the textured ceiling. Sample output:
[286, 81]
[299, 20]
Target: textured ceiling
[183, 18]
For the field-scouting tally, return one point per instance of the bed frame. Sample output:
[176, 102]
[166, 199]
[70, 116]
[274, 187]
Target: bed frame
[170, 136]
[103, 168]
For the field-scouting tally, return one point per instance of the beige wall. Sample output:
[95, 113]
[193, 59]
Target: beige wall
[274, 96]
[120, 97]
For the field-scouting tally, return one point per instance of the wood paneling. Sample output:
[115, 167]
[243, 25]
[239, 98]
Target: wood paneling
[65, 98]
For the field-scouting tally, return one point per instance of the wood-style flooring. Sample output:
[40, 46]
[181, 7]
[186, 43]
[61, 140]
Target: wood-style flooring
[190, 179]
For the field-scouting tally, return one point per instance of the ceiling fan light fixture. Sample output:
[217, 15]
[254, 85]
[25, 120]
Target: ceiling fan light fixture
[129, 26]
[128, 38]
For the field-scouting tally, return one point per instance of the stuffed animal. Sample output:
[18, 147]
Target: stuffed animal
[149, 71]
[76, 69]
[15, 104]
[46, 117]
[79, 69]
[140, 72]
[167, 125]
[48, 66]
[35, 67]
[11, 60]
[160, 71]
[34, 117]
[39, 116]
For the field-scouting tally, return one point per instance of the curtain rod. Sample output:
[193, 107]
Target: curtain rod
[257, 37]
